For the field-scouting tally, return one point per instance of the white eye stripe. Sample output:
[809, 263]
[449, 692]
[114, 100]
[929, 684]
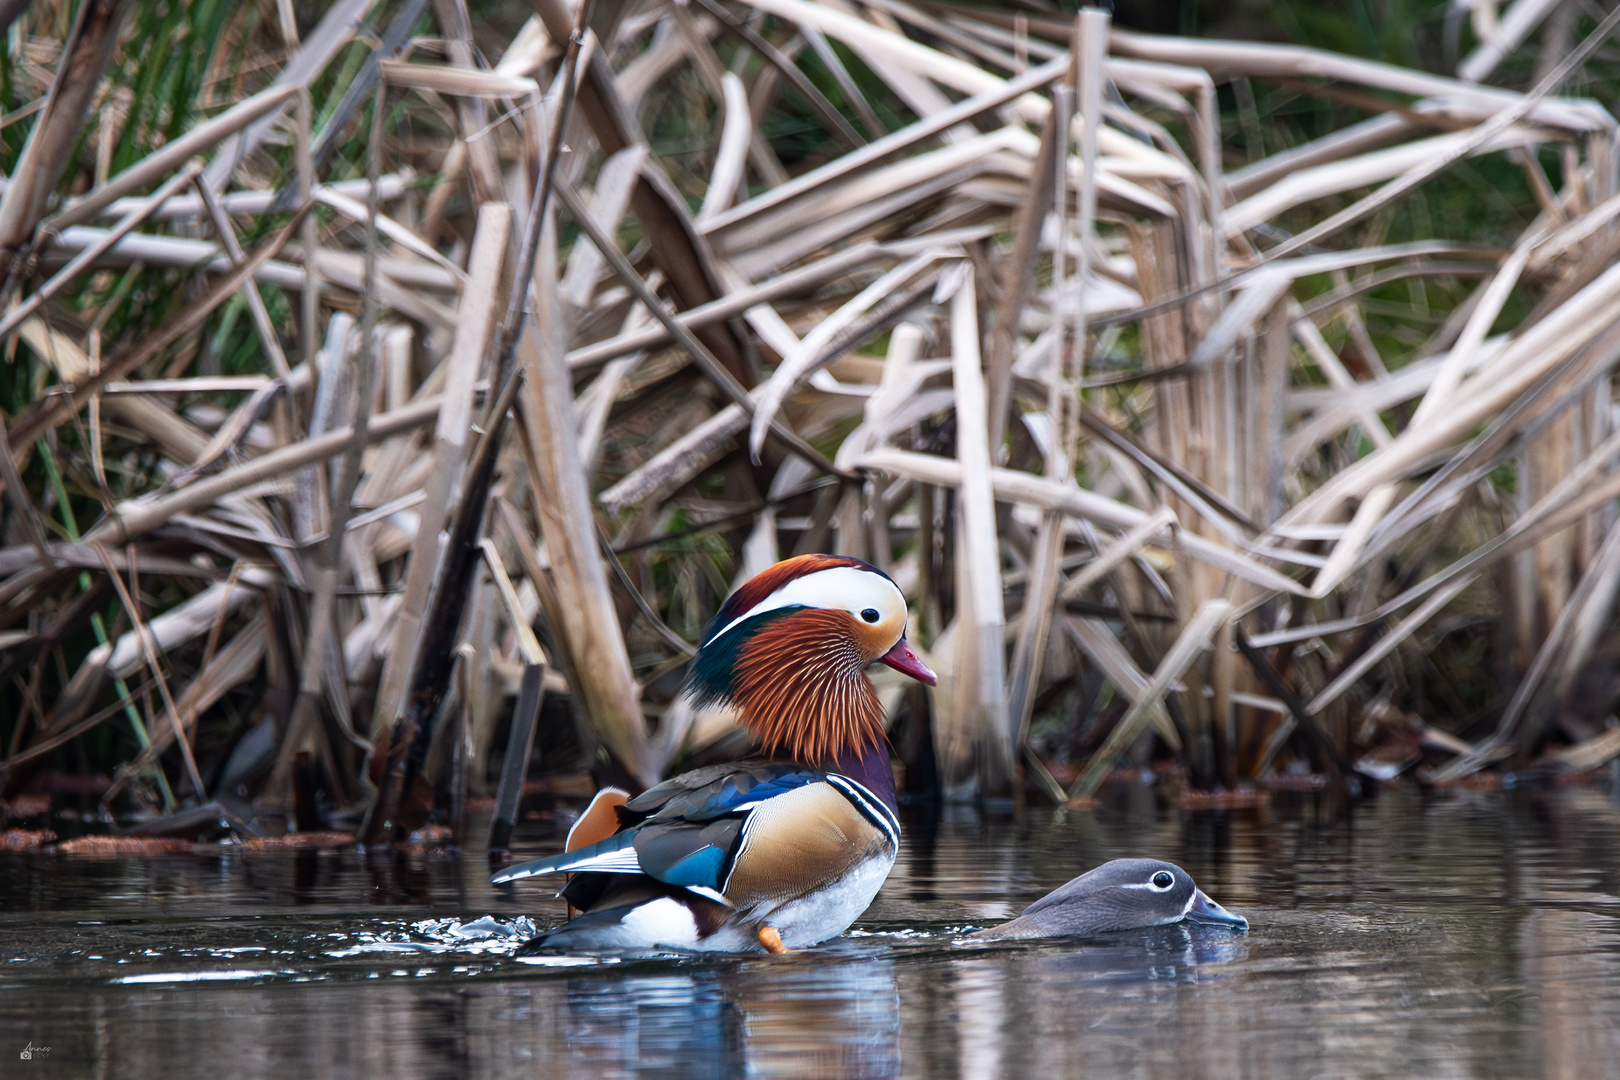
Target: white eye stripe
[1150, 886]
[838, 588]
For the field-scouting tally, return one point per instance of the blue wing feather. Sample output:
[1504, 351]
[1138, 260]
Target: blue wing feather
[691, 830]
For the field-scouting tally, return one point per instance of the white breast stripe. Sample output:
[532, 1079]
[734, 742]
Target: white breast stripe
[710, 894]
[869, 805]
[742, 846]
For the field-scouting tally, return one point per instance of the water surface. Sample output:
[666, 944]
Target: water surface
[1456, 935]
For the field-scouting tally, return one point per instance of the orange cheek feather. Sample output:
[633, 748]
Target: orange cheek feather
[873, 639]
[801, 687]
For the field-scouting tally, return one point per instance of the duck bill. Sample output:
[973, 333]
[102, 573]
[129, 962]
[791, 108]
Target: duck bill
[903, 660]
[1205, 910]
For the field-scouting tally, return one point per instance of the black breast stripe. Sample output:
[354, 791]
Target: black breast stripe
[870, 806]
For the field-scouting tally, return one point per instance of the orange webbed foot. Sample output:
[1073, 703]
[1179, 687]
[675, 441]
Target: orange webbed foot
[772, 941]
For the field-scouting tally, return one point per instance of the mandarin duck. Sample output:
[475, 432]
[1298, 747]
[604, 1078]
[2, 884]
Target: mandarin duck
[1124, 894]
[772, 854]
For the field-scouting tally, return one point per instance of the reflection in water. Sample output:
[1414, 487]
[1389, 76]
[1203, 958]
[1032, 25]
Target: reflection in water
[1463, 935]
[743, 1019]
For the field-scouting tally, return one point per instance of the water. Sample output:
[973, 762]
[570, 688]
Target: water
[1459, 935]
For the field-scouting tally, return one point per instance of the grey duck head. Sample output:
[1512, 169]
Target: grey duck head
[1125, 894]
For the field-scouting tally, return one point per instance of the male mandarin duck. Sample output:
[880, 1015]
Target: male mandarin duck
[759, 855]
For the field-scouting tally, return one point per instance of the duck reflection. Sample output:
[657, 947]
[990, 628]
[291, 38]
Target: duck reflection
[835, 1017]
[1004, 993]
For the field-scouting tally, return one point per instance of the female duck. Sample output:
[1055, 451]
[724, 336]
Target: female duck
[1125, 894]
[772, 854]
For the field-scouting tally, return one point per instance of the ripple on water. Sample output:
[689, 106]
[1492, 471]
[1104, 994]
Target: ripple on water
[1462, 936]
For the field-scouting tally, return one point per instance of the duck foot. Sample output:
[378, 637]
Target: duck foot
[772, 941]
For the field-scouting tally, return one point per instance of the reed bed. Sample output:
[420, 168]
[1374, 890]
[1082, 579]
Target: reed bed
[378, 405]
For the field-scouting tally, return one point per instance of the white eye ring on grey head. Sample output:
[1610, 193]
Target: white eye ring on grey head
[871, 615]
[1162, 881]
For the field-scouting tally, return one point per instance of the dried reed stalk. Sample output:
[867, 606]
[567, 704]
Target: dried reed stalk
[1125, 412]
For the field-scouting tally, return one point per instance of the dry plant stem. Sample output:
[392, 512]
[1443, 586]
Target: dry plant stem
[1306, 721]
[164, 161]
[708, 66]
[61, 123]
[1063, 395]
[539, 210]
[40, 749]
[606, 689]
[1098, 642]
[250, 289]
[309, 300]
[18, 495]
[322, 632]
[688, 340]
[236, 663]
[1192, 641]
[1520, 21]
[1017, 282]
[1388, 643]
[1109, 558]
[1596, 585]
[156, 667]
[681, 646]
[135, 517]
[486, 173]
[523, 542]
[57, 408]
[531, 693]
[730, 157]
[399, 31]
[982, 703]
[1040, 586]
[430, 671]
[962, 112]
[1018, 487]
[1481, 135]
[475, 320]
[677, 248]
[829, 116]
[89, 255]
[800, 281]
[336, 28]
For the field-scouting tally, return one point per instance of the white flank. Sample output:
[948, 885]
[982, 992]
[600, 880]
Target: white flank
[828, 912]
[662, 922]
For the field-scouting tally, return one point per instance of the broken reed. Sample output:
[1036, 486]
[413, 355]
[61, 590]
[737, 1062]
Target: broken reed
[364, 357]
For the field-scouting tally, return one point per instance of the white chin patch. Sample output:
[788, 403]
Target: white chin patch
[662, 922]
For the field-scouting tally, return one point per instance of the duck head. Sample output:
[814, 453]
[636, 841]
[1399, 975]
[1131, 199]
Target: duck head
[789, 650]
[1124, 894]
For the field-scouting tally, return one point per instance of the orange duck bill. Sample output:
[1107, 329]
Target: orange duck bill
[903, 660]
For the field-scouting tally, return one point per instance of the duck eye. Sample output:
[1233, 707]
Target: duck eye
[871, 615]
[1162, 880]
